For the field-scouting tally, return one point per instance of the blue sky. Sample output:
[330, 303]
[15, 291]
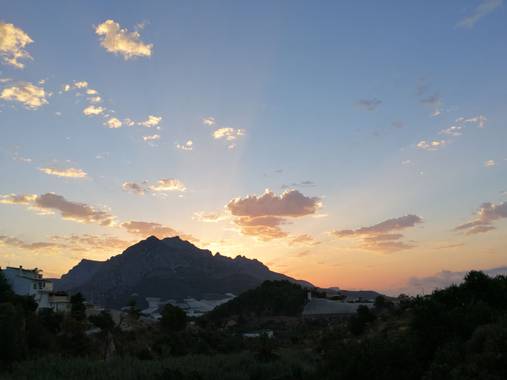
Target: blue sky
[341, 109]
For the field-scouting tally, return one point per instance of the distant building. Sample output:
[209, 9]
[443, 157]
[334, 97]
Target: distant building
[29, 282]
[325, 308]
[258, 334]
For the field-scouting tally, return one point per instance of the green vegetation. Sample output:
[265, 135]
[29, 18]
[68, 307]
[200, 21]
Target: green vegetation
[456, 333]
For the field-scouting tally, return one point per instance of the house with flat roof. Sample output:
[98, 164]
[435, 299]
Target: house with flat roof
[30, 282]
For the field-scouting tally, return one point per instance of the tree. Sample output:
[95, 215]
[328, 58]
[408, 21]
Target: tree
[103, 321]
[12, 336]
[134, 312]
[173, 318]
[6, 292]
[359, 321]
[78, 308]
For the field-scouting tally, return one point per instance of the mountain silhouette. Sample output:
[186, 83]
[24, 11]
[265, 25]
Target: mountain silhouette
[169, 268]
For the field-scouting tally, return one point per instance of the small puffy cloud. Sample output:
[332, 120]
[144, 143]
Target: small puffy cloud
[384, 236]
[81, 84]
[95, 99]
[228, 133]
[489, 163]
[145, 229]
[484, 217]
[483, 9]
[431, 145]
[458, 127]
[92, 110]
[263, 215]
[50, 203]
[369, 104]
[209, 121]
[129, 122]
[13, 42]
[151, 137]
[120, 41]
[26, 93]
[189, 145]
[168, 184]
[91, 91]
[133, 188]
[151, 121]
[68, 172]
[113, 123]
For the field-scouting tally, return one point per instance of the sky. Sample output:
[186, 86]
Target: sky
[352, 144]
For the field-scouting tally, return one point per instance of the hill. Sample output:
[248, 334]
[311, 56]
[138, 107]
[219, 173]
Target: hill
[169, 268]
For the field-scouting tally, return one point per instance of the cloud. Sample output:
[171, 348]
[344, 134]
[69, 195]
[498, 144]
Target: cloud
[210, 217]
[50, 203]
[431, 145]
[92, 110]
[369, 104]
[26, 93]
[263, 215]
[145, 229]
[133, 188]
[168, 184]
[13, 41]
[69, 172]
[188, 146]
[81, 84]
[303, 239]
[441, 280]
[306, 183]
[461, 123]
[151, 121]
[384, 236]
[484, 217]
[228, 134]
[434, 102]
[483, 9]
[209, 121]
[18, 243]
[151, 137]
[113, 123]
[489, 163]
[163, 185]
[120, 41]
[87, 242]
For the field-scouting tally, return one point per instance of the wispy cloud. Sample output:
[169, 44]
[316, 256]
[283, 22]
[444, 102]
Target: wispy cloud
[13, 41]
[188, 146]
[151, 121]
[484, 217]
[209, 121]
[67, 172]
[482, 10]
[163, 185]
[431, 145]
[228, 133]
[120, 41]
[369, 104]
[385, 236]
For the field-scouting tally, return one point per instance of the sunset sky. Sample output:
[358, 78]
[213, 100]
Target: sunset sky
[358, 144]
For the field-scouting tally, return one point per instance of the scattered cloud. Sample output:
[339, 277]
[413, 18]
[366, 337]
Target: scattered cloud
[92, 110]
[133, 188]
[306, 183]
[263, 215]
[483, 9]
[26, 93]
[18, 243]
[369, 104]
[13, 42]
[120, 41]
[209, 121]
[113, 123]
[88, 242]
[303, 239]
[145, 229]
[484, 217]
[210, 217]
[151, 121]
[154, 137]
[228, 134]
[163, 185]
[431, 145]
[168, 184]
[189, 145]
[489, 163]
[385, 236]
[68, 172]
[434, 102]
[458, 127]
[50, 203]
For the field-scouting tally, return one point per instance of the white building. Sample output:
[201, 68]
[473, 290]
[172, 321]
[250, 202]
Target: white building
[29, 282]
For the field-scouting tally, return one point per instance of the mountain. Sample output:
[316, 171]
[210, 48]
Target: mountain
[169, 268]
